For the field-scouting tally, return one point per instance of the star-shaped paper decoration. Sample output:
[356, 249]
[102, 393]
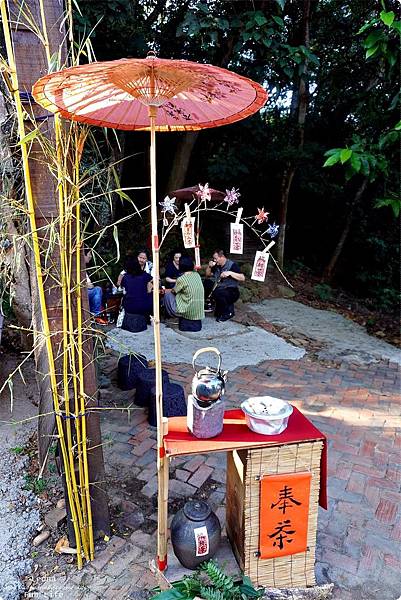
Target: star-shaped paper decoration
[168, 205]
[262, 216]
[272, 230]
[204, 192]
[232, 197]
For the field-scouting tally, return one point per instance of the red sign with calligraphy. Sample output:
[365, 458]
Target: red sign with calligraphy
[284, 511]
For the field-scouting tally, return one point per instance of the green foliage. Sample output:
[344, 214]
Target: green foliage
[351, 108]
[17, 450]
[360, 158]
[383, 37]
[393, 201]
[323, 291]
[387, 299]
[34, 484]
[211, 583]
[295, 266]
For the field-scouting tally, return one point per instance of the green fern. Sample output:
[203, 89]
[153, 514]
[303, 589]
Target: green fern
[219, 579]
[210, 593]
[210, 583]
[188, 586]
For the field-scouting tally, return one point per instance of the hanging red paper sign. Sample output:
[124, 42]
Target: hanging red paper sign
[188, 229]
[260, 263]
[236, 238]
[197, 257]
[284, 512]
[260, 266]
[237, 235]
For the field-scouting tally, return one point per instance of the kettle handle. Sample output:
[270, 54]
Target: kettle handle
[208, 349]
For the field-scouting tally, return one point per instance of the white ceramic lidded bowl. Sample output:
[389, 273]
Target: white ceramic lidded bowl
[266, 415]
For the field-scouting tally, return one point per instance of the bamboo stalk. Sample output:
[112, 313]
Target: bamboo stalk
[38, 265]
[162, 461]
[67, 201]
[80, 346]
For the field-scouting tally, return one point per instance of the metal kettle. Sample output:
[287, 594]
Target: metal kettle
[208, 384]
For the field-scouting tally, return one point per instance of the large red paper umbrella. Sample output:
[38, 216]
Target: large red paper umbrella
[151, 94]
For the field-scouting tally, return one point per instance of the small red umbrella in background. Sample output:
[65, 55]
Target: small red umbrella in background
[151, 94]
[195, 192]
[200, 193]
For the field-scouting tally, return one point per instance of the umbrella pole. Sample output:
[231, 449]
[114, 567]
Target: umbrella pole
[162, 460]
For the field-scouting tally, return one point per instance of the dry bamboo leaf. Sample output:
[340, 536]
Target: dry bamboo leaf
[62, 543]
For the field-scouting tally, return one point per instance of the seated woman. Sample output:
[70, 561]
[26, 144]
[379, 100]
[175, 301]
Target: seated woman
[138, 299]
[173, 271]
[187, 298]
[144, 263]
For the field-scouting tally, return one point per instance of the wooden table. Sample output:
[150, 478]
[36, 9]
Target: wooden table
[237, 437]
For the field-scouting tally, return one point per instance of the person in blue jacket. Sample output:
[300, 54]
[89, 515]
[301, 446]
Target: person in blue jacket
[173, 271]
[138, 286]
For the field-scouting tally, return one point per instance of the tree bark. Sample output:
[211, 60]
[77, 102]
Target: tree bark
[299, 107]
[180, 164]
[31, 64]
[329, 270]
[187, 142]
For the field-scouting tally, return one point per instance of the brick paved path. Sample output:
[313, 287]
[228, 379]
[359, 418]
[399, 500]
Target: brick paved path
[359, 537]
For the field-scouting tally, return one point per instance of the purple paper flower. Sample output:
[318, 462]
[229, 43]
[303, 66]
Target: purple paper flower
[232, 197]
[168, 205]
[272, 230]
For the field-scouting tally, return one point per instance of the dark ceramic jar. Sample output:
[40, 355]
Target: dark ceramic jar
[195, 533]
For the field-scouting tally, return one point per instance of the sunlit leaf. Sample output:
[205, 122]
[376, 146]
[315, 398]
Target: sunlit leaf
[387, 17]
[115, 236]
[332, 160]
[345, 155]
[30, 136]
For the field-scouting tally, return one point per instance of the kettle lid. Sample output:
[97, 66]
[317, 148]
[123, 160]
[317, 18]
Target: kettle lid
[197, 510]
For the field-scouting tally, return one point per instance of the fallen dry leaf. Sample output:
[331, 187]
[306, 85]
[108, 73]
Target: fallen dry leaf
[62, 545]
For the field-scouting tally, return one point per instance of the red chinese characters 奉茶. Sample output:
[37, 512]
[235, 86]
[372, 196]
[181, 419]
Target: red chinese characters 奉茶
[284, 511]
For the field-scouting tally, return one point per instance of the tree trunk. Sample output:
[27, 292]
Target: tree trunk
[31, 64]
[329, 270]
[299, 107]
[180, 164]
[187, 142]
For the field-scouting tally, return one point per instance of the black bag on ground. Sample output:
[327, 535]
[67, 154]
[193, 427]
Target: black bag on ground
[189, 324]
[134, 323]
[174, 404]
[146, 379]
[128, 368]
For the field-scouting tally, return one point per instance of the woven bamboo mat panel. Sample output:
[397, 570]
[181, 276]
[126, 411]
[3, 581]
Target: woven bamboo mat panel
[297, 570]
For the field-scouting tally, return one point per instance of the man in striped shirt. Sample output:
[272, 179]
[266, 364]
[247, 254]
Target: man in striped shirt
[187, 298]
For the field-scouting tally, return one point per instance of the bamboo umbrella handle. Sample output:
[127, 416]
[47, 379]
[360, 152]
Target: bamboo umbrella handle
[162, 460]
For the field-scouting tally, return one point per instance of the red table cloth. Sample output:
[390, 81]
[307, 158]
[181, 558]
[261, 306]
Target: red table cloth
[236, 434]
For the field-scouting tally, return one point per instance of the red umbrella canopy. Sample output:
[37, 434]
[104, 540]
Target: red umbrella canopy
[118, 94]
[195, 191]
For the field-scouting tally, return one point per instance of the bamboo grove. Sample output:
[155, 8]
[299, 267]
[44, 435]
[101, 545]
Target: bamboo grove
[67, 387]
